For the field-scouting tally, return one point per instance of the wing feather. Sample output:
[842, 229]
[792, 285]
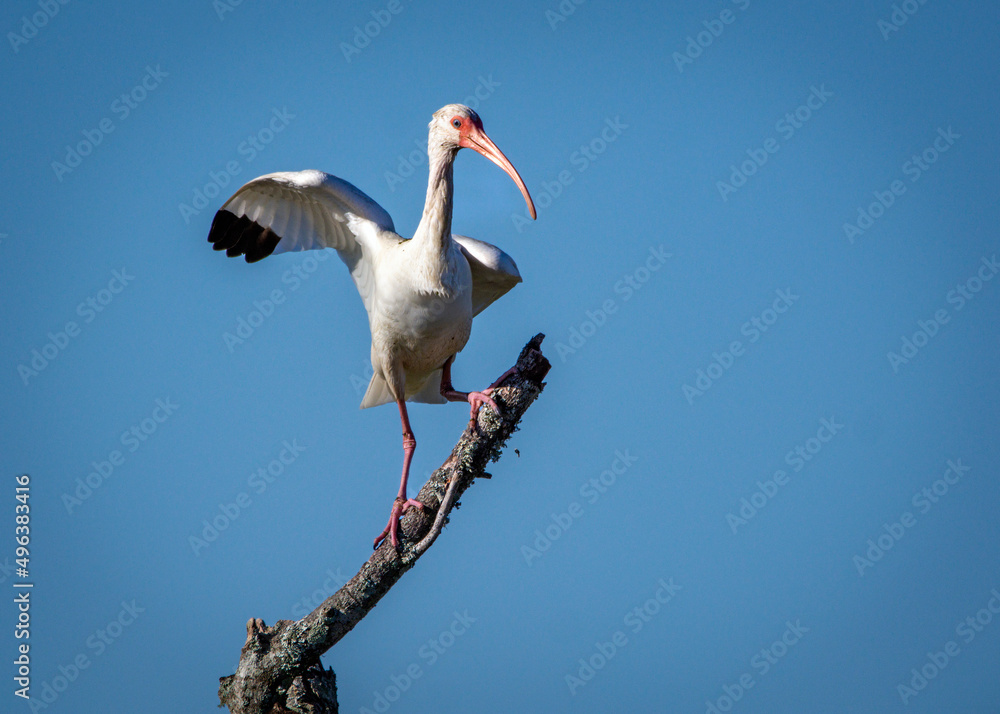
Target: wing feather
[306, 209]
[302, 210]
[494, 272]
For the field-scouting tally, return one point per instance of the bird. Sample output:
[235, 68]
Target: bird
[420, 293]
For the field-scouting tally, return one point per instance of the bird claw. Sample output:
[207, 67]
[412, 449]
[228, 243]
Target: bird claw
[399, 507]
[478, 399]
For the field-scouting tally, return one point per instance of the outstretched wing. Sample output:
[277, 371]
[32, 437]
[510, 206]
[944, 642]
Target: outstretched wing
[493, 271]
[302, 210]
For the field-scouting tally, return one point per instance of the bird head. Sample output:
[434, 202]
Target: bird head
[455, 127]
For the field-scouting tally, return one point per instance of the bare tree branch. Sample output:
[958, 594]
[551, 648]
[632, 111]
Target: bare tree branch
[280, 670]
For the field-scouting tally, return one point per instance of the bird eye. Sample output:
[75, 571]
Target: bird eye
[457, 123]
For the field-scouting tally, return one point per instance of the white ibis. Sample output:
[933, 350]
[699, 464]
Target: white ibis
[420, 293]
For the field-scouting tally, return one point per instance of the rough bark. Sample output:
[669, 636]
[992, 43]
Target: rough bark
[280, 670]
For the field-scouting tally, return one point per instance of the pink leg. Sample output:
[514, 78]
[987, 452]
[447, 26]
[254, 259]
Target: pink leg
[502, 377]
[402, 503]
[475, 399]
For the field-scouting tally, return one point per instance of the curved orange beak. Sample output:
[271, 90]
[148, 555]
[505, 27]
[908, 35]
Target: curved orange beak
[476, 139]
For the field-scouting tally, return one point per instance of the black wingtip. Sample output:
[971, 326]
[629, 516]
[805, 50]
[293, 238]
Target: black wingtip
[222, 222]
[263, 245]
[241, 236]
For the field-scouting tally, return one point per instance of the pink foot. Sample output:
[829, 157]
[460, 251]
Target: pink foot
[478, 399]
[399, 507]
[502, 377]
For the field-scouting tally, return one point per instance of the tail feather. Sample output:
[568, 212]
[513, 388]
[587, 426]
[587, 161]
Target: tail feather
[379, 393]
[430, 393]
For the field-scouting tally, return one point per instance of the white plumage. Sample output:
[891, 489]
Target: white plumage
[420, 293]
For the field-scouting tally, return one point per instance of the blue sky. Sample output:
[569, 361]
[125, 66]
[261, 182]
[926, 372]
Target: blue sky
[762, 477]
